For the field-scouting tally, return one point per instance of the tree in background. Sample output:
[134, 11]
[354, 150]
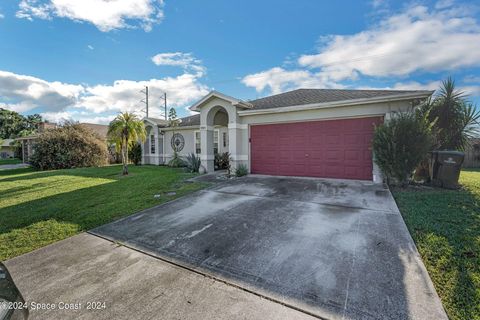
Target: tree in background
[456, 121]
[14, 125]
[125, 130]
[135, 153]
[69, 146]
[173, 121]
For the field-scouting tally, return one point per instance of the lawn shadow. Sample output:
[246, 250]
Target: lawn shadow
[91, 206]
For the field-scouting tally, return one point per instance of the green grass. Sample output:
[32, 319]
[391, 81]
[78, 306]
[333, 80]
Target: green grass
[445, 225]
[38, 208]
[10, 161]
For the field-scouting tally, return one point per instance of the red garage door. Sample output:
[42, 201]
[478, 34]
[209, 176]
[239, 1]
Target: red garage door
[331, 148]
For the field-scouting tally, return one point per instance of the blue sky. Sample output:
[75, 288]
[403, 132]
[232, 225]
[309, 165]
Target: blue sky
[87, 60]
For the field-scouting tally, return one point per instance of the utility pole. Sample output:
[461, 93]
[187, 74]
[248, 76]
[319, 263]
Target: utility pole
[165, 99]
[146, 99]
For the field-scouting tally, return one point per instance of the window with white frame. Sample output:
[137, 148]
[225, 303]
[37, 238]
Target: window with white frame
[198, 149]
[152, 144]
[215, 141]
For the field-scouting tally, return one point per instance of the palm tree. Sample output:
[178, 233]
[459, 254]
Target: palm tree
[125, 130]
[456, 120]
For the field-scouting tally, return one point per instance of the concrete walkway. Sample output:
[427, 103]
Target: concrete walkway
[14, 166]
[133, 285]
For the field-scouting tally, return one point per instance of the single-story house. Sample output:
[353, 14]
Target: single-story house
[28, 142]
[7, 151]
[305, 132]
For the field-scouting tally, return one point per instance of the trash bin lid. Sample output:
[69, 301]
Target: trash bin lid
[451, 157]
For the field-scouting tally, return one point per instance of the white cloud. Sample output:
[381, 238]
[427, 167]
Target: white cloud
[124, 95]
[90, 47]
[415, 85]
[2, 15]
[24, 93]
[73, 115]
[442, 4]
[471, 79]
[97, 103]
[377, 3]
[106, 15]
[468, 89]
[179, 59]
[279, 80]
[415, 40]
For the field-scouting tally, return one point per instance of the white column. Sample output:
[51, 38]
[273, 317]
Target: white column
[206, 145]
[156, 155]
[236, 147]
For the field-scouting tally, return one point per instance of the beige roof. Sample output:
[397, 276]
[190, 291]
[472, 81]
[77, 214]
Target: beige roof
[100, 129]
[6, 142]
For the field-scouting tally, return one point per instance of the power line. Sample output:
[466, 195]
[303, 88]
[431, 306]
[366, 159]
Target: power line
[146, 102]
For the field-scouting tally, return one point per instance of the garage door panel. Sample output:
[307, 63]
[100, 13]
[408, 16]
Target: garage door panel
[332, 148]
[354, 155]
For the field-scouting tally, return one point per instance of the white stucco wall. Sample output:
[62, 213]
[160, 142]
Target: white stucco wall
[188, 136]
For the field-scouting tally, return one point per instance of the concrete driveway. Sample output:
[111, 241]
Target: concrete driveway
[331, 248]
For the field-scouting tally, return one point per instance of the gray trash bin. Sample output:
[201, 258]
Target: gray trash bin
[445, 168]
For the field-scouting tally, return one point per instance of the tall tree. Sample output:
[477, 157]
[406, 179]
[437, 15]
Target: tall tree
[125, 130]
[456, 119]
[13, 124]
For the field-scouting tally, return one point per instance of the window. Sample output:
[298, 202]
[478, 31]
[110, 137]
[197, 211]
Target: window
[215, 141]
[225, 137]
[152, 144]
[198, 149]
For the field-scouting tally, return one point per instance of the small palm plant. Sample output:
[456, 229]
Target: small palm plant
[125, 131]
[193, 162]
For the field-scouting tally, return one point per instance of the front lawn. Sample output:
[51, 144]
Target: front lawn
[445, 225]
[10, 161]
[38, 208]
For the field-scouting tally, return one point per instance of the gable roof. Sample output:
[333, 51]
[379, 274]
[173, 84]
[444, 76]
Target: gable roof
[211, 94]
[313, 96]
[160, 122]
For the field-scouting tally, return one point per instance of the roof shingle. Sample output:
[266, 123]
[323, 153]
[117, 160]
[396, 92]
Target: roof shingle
[309, 96]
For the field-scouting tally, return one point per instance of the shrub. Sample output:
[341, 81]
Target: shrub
[193, 162]
[69, 146]
[176, 161]
[135, 153]
[241, 170]
[222, 161]
[401, 144]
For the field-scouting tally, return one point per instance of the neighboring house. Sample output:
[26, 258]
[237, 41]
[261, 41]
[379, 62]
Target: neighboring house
[305, 132]
[28, 142]
[7, 151]
[472, 154]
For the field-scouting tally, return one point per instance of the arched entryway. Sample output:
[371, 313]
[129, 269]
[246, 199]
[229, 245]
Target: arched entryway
[214, 136]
